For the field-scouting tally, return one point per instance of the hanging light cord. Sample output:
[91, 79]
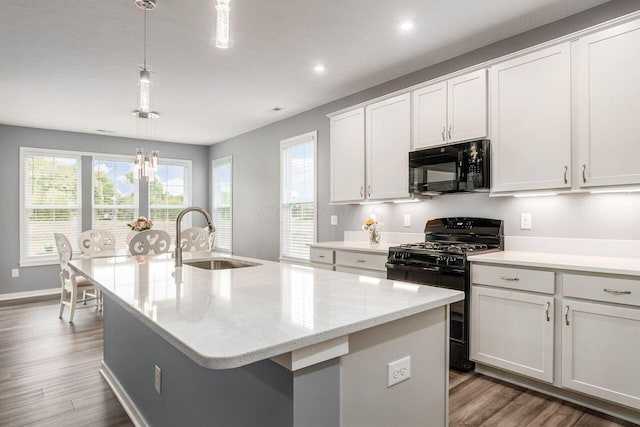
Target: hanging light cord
[145, 39]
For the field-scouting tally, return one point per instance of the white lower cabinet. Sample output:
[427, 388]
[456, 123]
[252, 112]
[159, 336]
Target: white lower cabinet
[600, 351]
[513, 330]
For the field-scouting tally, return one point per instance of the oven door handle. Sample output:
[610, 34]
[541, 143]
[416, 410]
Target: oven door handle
[412, 268]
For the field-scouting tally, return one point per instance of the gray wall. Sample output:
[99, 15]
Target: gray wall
[256, 168]
[12, 138]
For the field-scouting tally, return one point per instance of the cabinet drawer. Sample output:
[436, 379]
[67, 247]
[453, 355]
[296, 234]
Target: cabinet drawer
[361, 260]
[323, 256]
[514, 278]
[601, 288]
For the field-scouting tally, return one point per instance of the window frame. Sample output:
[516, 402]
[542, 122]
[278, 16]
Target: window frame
[285, 144]
[136, 185]
[38, 260]
[188, 184]
[214, 164]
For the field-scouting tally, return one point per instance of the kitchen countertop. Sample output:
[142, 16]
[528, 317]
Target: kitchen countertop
[595, 264]
[229, 318]
[382, 247]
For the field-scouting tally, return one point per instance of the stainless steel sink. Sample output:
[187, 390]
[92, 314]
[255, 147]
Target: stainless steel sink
[220, 264]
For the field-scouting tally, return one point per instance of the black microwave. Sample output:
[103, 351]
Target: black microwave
[452, 168]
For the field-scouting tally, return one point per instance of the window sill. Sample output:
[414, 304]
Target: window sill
[39, 262]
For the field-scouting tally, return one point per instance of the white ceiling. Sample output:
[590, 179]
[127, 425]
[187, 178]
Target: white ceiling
[72, 64]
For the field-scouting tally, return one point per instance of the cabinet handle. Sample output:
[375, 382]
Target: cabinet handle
[616, 292]
[584, 174]
[362, 191]
[361, 260]
[449, 134]
[369, 191]
[547, 311]
[510, 279]
[566, 315]
[443, 129]
[566, 169]
[320, 256]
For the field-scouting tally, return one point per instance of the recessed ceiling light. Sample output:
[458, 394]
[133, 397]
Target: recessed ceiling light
[406, 25]
[319, 68]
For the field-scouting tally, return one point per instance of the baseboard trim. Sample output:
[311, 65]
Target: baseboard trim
[29, 296]
[624, 413]
[129, 407]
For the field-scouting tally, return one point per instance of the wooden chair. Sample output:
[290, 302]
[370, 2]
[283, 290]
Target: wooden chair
[195, 239]
[92, 242]
[72, 284]
[150, 242]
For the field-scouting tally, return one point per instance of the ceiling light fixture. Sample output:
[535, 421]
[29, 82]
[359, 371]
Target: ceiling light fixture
[406, 25]
[222, 24]
[319, 68]
[146, 163]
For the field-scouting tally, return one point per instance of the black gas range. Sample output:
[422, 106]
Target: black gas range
[441, 260]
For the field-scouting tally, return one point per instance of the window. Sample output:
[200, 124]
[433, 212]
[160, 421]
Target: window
[221, 197]
[170, 193]
[50, 201]
[297, 195]
[115, 196]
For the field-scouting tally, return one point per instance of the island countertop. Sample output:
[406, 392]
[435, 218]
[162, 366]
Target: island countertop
[224, 319]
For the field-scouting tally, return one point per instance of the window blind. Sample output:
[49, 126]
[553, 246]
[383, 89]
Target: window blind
[222, 202]
[297, 196]
[170, 193]
[51, 203]
[115, 199]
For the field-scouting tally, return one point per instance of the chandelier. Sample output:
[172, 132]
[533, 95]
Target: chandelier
[146, 163]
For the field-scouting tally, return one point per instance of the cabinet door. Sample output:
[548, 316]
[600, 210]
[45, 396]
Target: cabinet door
[467, 107]
[430, 116]
[513, 330]
[347, 156]
[388, 125]
[608, 106]
[600, 348]
[531, 121]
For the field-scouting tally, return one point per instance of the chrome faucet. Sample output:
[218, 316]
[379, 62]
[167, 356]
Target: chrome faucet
[212, 230]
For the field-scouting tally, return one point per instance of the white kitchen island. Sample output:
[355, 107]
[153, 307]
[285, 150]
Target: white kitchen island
[270, 345]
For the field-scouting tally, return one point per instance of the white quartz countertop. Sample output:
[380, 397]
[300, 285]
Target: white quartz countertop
[229, 318]
[381, 247]
[596, 264]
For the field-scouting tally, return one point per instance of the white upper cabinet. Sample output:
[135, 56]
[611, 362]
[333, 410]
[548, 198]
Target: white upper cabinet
[347, 156]
[388, 141]
[430, 116]
[467, 107]
[531, 121]
[450, 111]
[607, 67]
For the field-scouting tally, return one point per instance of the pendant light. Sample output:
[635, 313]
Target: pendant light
[146, 163]
[222, 24]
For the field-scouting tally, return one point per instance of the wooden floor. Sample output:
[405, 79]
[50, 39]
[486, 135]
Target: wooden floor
[49, 377]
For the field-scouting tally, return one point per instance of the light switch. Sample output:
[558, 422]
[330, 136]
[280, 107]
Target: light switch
[334, 219]
[157, 379]
[15, 272]
[407, 220]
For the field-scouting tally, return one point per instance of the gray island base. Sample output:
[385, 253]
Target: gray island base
[335, 372]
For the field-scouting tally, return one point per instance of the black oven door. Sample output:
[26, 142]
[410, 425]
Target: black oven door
[434, 170]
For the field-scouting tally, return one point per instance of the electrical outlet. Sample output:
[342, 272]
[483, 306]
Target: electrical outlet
[15, 272]
[407, 220]
[334, 219]
[157, 380]
[398, 371]
[525, 221]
